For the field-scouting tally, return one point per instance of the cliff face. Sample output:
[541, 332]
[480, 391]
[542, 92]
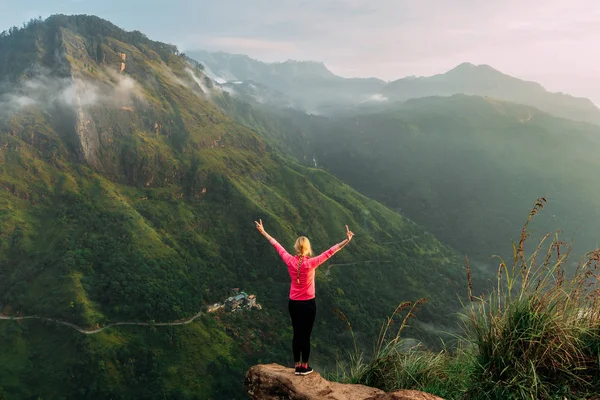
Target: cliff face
[275, 382]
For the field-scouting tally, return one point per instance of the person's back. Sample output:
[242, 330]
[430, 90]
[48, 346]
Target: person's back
[302, 305]
[303, 284]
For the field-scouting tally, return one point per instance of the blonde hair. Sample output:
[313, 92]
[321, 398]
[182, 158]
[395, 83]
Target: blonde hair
[302, 246]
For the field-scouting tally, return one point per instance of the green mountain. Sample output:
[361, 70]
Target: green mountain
[483, 80]
[467, 168]
[308, 84]
[129, 195]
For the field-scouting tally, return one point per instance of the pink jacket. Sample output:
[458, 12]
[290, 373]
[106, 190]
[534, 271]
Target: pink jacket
[305, 290]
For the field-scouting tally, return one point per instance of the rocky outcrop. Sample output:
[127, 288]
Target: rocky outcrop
[275, 382]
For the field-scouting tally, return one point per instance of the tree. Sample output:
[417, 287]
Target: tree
[99, 53]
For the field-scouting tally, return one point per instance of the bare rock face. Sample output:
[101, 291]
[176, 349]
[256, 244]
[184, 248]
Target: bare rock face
[275, 382]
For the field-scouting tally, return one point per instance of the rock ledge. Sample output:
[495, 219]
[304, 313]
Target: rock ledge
[275, 382]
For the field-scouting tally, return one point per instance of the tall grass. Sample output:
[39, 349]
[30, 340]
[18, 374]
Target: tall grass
[535, 335]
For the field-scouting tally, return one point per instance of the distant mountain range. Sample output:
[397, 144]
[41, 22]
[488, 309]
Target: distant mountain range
[311, 87]
[308, 84]
[483, 80]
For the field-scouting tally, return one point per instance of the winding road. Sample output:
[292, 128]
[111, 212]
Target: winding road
[92, 331]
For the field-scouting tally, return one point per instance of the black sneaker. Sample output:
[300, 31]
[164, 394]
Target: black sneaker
[298, 370]
[306, 371]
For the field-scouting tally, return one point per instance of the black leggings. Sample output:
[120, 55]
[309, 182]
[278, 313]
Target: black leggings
[303, 318]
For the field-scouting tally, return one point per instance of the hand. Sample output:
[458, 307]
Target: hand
[349, 233]
[259, 226]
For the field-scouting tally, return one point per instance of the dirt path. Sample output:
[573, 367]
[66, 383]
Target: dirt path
[92, 331]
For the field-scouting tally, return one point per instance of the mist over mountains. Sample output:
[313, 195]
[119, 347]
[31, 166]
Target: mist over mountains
[490, 142]
[318, 90]
[131, 175]
[307, 84]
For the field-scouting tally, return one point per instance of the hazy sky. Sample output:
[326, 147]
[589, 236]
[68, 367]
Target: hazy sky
[554, 42]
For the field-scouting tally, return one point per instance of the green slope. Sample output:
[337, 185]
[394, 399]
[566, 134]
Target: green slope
[137, 204]
[467, 168]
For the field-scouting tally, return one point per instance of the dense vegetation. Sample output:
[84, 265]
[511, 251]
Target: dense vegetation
[534, 337]
[138, 204]
[462, 166]
[35, 42]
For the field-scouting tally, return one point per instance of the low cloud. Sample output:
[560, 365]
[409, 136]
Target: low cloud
[378, 97]
[44, 91]
[229, 90]
[199, 81]
[192, 81]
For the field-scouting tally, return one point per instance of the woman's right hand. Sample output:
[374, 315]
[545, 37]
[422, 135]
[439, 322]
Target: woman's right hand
[259, 226]
[349, 233]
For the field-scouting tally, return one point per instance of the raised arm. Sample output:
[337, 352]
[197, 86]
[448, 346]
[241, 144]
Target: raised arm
[285, 256]
[321, 258]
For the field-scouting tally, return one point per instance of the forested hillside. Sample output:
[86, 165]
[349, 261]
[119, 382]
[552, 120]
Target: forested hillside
[465, 167]
[127, 195]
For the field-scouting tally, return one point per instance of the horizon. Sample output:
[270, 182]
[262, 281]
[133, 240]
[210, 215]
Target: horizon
[545, 43]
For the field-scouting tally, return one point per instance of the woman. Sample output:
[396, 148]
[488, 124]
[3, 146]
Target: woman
[302, 305]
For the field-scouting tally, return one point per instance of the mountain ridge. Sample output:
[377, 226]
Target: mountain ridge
[309, 84]
[484, 80]
[466, 78]
[319, 66]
